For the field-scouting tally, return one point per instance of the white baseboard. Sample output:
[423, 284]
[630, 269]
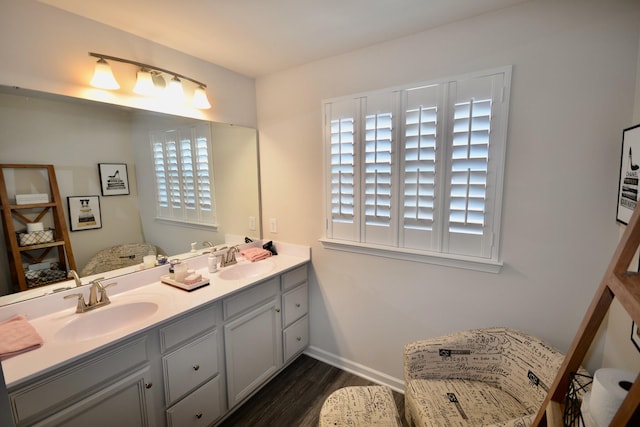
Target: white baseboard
[355, 368]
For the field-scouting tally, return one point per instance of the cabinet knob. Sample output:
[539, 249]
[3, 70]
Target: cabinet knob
[277, 310]
[298, 305]
[148, 385]
[196, 367]
[199, 415]
[299, 339]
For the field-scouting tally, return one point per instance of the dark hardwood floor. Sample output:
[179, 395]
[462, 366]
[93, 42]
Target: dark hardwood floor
[295, 396]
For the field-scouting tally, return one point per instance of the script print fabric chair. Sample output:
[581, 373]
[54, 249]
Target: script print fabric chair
[118, 256]
[481, 377]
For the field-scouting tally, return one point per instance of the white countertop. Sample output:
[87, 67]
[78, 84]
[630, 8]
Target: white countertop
[49, 313]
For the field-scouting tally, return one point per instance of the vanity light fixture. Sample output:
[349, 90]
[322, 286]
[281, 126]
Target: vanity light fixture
[149, 81]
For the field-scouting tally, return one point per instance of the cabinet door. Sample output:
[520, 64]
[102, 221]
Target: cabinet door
[253, 350]
[120, 404]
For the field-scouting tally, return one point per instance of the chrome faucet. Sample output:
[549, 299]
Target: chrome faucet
[97, 297]
[230, 259]
[71, 274]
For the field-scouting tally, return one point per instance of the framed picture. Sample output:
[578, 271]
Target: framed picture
[84, 212]
[635, 335]
[629, 174]
[114, 180]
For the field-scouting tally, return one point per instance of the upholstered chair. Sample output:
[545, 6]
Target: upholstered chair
[118, 256]
[482, 377]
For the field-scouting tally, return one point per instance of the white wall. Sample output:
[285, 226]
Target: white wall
[572, 94]
[619, 351]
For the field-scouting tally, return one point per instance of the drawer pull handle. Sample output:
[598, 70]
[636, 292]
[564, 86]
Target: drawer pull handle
[298, 305]
[199, 415]
[196, 367]
[299, 339]
[148, 385]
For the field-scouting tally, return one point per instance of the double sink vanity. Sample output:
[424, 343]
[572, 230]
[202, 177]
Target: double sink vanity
[158, 355]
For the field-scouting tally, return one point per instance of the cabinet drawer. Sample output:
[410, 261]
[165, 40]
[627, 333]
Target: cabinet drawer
[296, 338]
[200, 408]
[190, 366]
[296, 304]
[188, 327]
[252, 297]
[75, 383]
[294, 277]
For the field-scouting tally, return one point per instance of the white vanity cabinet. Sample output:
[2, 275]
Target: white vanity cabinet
[253, 338]
[105, 390]
[192, 366]
[190, 370]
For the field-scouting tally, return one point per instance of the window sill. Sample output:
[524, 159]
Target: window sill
[448, 260]
[190, 224]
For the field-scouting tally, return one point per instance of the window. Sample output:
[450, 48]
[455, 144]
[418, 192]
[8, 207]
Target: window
[184, 180]
[416, 172]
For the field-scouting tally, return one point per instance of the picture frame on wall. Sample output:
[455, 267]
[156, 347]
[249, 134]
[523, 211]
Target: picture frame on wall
[84, 212]
[635, 335]
[114, 180]
[629, 174]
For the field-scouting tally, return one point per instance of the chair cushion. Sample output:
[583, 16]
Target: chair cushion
[363, 406]
[452, 402]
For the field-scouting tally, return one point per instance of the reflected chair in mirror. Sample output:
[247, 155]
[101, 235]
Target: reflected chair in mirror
[118, 256]
[479, 377]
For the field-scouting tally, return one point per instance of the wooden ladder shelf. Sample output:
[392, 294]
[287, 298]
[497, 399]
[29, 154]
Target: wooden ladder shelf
[618, 283]
[34, 253]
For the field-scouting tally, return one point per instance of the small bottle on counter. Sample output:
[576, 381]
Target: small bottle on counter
[212, 262]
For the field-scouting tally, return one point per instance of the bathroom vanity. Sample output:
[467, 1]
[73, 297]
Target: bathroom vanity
[183, 359]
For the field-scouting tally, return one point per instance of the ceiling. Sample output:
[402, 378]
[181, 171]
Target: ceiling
[259, 37]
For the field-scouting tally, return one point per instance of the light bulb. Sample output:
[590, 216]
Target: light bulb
[103, 76]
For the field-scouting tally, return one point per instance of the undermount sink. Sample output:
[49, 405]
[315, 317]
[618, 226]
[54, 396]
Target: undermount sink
[247, 270]
[105, 320]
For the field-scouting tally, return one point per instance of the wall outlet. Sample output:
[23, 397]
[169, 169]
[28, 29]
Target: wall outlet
[273, 225]
[252, 223]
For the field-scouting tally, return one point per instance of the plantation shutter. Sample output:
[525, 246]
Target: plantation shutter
[183, 175]
[418, 170]
[421, 167]
[379, 196]
[472, 182]
[340, 128]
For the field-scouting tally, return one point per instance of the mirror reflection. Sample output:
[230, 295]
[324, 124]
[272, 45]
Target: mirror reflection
[77, 135]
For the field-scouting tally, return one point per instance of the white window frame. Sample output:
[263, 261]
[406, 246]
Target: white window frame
[189, 197]
[471, 243]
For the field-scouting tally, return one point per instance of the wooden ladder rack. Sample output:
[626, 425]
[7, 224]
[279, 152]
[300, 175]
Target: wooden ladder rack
[34, 253]
[618, 283]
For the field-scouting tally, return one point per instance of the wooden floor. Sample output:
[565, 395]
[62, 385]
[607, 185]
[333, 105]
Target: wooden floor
[295, 396]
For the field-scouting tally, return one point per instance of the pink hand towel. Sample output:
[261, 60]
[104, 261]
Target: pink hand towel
[17, 336]
[255, 254]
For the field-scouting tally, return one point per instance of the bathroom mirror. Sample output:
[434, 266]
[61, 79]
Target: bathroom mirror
[77, 135]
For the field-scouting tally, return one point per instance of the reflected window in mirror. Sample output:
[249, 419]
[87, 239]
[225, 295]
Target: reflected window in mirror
[184, 179]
